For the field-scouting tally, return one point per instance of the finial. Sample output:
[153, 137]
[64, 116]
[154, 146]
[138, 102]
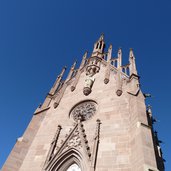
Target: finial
[149, 110]
[71, 71]
[85, 55]
[83, 60]
[119, 51]
[109, 55]
[101, 37]
[131, 53]
[74, 64]
[57, 82]
[62, 72]
[132, 62]
[110, 47]
[119, 57]
[107, 72]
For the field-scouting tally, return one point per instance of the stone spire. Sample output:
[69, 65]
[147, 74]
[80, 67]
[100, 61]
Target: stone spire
[71, 71]
[52, 91]
[57, 82]
[59, 97]
[109, 56]
[74, 83]
[119, 57]
[134, 78]
[118, 76]
[107, 73]
[53, 145]
[99, 47]
[83, 60]
[132, 63]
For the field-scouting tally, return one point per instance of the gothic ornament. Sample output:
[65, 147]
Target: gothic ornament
[72, 88]
[88, 85]
[107, 72]
[106, 80]
[92, 70]
[55, 105]
[75, 144]
[84, 110]
[119, 92]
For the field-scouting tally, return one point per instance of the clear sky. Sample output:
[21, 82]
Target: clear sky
[39, 37]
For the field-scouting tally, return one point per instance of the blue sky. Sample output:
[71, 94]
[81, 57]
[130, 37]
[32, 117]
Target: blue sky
[39, 37]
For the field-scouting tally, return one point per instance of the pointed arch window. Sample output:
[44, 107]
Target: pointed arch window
[97, 45]
[100, 45]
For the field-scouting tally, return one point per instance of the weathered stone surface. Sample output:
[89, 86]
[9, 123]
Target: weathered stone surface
[120, 142]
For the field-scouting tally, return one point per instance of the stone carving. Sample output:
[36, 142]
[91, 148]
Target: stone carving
[89, 82]
[106, 80]
[92, 70]
[86, 91]
[88, 85]
[84, 110]
[119, 83]
[119, 92]
[76, 139]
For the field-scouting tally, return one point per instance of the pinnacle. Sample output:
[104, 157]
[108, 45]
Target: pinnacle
[110, 47]
[101, 37]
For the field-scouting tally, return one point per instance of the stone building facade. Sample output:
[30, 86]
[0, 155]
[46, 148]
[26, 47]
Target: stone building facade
[95, 119]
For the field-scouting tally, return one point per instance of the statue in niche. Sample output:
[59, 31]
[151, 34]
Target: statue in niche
[88, 85]
[91, 70]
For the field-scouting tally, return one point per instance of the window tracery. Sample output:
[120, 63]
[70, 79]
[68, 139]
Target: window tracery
[84, 110]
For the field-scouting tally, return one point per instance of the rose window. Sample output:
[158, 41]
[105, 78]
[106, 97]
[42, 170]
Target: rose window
[84, 111]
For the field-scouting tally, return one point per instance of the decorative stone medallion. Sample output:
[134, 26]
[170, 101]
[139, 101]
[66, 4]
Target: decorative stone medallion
[84, 110]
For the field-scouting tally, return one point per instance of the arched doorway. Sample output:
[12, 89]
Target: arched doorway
[70, 160]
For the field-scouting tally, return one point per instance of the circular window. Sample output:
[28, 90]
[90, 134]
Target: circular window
[84, 110]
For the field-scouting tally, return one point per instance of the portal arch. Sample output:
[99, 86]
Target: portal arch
[67, 159]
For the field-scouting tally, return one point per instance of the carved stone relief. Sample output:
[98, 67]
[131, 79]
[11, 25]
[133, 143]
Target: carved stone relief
[76, 140]
[92, 68]
[88, 85]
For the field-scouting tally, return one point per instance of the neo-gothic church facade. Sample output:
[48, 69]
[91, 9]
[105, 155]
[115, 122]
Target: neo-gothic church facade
[94, 120]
